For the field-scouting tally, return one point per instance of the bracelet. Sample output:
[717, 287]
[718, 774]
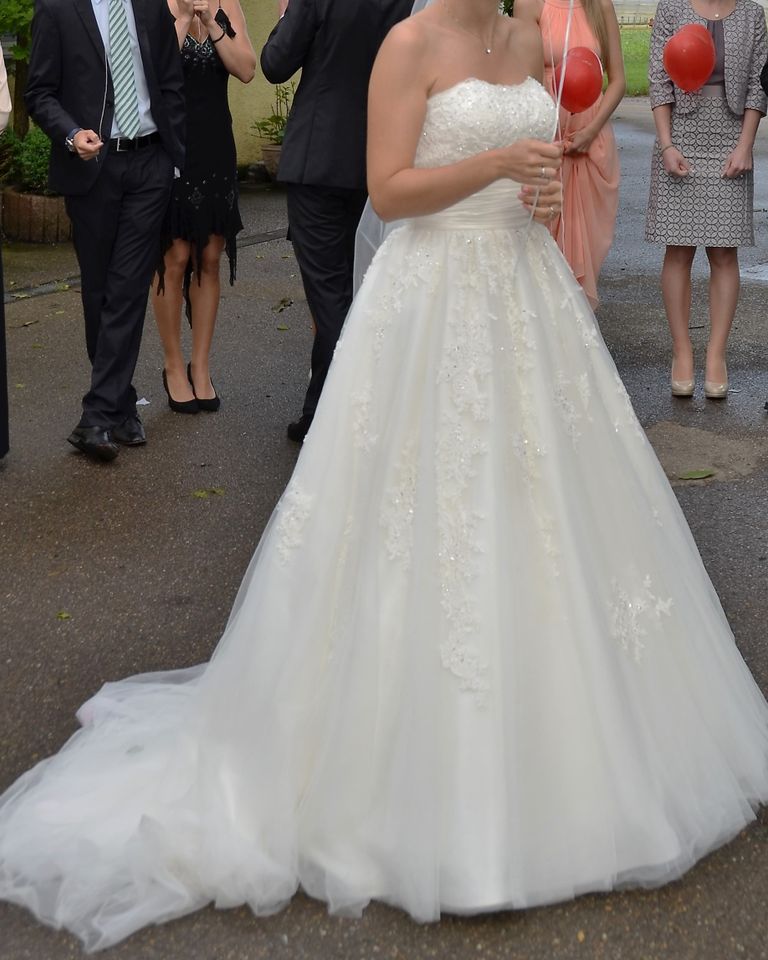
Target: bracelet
[223, 34]
[667, 147]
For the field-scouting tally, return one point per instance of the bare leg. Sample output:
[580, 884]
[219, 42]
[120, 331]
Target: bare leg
[167, 307]
[724, 284]
[676, 291]
[204, 293]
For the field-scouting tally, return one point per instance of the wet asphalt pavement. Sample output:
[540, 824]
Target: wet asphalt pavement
[130, 567]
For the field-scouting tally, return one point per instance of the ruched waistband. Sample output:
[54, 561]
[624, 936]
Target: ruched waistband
[495, 207]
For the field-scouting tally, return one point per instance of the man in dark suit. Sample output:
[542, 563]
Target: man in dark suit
[322, 162]
[106, 85]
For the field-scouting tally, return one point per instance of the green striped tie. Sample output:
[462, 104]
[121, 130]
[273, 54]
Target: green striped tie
[121, 64]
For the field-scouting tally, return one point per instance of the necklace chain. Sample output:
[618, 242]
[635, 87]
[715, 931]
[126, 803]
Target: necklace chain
[488, 47]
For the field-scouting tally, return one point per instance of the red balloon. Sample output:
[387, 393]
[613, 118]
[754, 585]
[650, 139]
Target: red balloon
[583, 79]
[689, 57]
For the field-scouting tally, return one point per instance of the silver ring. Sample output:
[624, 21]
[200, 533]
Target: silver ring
[551, 213]
[543, 173]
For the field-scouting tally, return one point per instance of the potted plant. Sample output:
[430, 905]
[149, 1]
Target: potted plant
[272, 128]
[30, 212]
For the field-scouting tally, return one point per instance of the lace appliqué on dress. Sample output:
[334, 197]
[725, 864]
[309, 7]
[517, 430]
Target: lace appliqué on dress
[293, 510]
[464, 373]
[396, 516]
[632, 614]
[630, 417]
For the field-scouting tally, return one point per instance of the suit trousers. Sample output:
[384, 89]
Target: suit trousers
[116, 233]
[322, 223]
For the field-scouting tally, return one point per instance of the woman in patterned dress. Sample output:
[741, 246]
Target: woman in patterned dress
[203, 217]
[590, 171]
[701, 173]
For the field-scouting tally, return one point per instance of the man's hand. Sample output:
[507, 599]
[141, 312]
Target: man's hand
[87, 144]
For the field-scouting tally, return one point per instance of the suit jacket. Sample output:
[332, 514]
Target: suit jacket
[745, 54]
[70, 85]
[334, 44]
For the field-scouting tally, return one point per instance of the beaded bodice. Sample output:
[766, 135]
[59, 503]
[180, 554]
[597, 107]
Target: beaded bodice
[475, 115]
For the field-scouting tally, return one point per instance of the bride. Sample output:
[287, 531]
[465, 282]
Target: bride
[508, 679]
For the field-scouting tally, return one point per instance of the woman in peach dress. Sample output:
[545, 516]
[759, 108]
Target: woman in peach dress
[590, 171]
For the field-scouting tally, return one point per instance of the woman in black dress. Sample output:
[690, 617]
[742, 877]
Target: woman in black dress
[203, 218]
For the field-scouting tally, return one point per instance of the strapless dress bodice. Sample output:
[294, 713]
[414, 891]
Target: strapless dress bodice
[468, 118]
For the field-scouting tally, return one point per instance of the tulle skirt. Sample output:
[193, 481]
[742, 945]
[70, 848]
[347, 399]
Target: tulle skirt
[476, 661]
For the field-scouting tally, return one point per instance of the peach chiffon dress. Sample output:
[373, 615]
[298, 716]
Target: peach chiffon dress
[584, 232]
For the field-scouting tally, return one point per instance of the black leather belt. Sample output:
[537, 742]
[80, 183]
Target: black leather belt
[123, 145]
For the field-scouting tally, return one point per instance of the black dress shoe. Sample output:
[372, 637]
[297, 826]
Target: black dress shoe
[299, 428]
[179, 406]
[130, 432]
[94, 442]
[211, 404]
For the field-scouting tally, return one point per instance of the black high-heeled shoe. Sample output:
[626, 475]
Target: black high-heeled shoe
[213, 403]
[179, 406]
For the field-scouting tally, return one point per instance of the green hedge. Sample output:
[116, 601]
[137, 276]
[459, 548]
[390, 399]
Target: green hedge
[24, 163]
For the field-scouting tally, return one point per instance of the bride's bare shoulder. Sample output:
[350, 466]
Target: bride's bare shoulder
[523, 43]
[411, 48]
[410, 37]
[523, 30]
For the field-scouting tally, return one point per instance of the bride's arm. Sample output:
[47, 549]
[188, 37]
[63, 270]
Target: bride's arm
[397, 105]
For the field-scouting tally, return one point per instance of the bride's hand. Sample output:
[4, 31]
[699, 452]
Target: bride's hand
[546, 202]
[532, 162]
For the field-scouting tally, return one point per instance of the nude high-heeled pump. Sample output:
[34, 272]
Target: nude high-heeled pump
[716, 391]
[683, 388]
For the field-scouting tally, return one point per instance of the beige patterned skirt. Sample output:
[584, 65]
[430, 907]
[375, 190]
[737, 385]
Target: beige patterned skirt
[703, 208]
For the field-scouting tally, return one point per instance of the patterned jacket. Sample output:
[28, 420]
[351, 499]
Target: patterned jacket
[746, 51]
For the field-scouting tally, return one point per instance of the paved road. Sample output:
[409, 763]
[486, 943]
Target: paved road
[146, 571]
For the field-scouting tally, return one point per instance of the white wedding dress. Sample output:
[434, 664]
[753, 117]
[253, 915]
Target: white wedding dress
[476, 662]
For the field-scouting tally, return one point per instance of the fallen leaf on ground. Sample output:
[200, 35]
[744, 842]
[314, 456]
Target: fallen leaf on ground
[697, 475]
[203, 494]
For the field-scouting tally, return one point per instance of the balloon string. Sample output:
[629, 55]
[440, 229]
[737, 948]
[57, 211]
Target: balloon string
[558, 98]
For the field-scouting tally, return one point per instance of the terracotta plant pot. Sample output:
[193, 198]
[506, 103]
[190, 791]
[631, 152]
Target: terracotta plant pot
[270, 154]
[34, 218]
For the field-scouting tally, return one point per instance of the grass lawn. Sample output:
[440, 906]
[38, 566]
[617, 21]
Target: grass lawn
[634, 46]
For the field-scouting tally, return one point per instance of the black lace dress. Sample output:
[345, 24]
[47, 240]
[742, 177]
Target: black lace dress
[204, 198]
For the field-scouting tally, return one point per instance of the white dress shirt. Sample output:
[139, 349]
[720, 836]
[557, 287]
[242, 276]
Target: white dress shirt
[101, 12]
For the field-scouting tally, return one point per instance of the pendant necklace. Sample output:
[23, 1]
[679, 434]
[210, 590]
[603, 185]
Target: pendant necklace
[487, 47]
